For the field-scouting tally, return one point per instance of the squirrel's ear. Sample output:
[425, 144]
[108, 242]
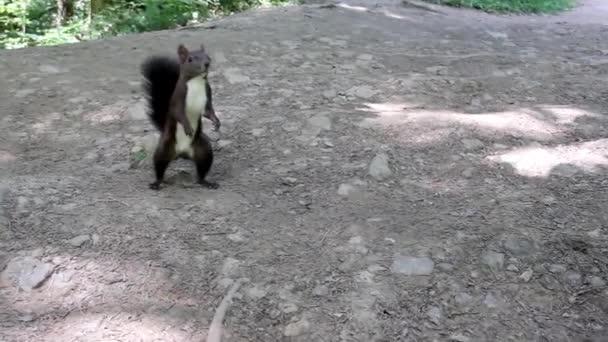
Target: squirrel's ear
[182, 52]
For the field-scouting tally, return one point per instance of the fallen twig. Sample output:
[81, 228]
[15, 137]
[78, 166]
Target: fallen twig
[215, 330]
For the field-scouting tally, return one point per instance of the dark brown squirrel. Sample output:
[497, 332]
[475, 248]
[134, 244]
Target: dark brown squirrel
[178, 92]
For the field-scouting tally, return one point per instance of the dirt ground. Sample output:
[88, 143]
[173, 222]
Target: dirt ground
[387, 173]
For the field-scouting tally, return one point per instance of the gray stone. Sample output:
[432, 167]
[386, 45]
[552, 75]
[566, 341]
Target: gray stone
[79, 240]
[434, 314]
[573, 278]
[320, 290]
[519, 246]
[49, 69]
[379, 167]
[26, 273]
[329, 94]
[526, 275]
[320, 121]
[297, 328]
[493, 260]
[363, 92]
[472, 144]
[234, 76]
[463, 298]
[446, 267]
[256, 132]
[490, 301]
[596, 281]
[138, 111]
[223, 143]
[256, 293]
[557, 268]
[512, 268]
[412, 266]
[346, 189]
[230, 267]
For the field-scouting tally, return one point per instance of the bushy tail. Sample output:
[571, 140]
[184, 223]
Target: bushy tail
[160, 76]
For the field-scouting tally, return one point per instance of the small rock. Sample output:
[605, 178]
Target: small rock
[236, 237]
[234, 76]
[527, 275]
[256, 132]
[329, 94]
[224, 143]
[472, 144]
[446, 267]
[256, 293]
[474, 274]
[493, 260]
[26, 273]
[573, 278]
[376, 268]
[26, 318]
[557, 268]
[468, 173]
[363, 92]
[490, 301]
[320, 290]
[320, 121]
[458, 338]
[434, 314]
[512, 268]
[24, 92]
[463, 298]
[596, 281]
[412, 266]
[296, 329]
[346, 189]
[79, 240]
[288, 307]
[95, 239]
[49, 69]
[518, 246]
[138, 111]
[230, 267]
[379, 167]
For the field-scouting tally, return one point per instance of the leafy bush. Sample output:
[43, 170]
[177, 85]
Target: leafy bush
[51, 22]
[515, 6]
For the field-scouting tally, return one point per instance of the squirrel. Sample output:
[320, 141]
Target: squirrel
[177, 93]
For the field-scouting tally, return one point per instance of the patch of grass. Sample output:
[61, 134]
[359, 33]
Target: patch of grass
[511, 6]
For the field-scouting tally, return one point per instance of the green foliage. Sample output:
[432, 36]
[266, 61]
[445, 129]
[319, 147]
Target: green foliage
[511, 6]
[40, 22]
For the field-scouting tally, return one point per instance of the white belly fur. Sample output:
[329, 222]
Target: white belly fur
[196, 99]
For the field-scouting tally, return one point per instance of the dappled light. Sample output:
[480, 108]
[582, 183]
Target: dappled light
[525, 122]
[539, 161]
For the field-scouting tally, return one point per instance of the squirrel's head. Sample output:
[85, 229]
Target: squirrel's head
[193, 63]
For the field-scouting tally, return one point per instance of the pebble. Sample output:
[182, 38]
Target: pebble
[230, 267]
[234, 76]
[596, 281]
[519, 246]
[363, 92]
[573, 278]
[493, 259]
[379, 167]
[444, 266]
[490, 301]
[557, 268]
[346, 189]
[79, 240]
[297, 328]
[472, 144]
[434, 314]
[463, 298]
[256, 293]
[320, 121]
[320, 290]
[224, 143]
[256, 132]
[26, 272]
[512, 268]
[412, 266]
[329, 94]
